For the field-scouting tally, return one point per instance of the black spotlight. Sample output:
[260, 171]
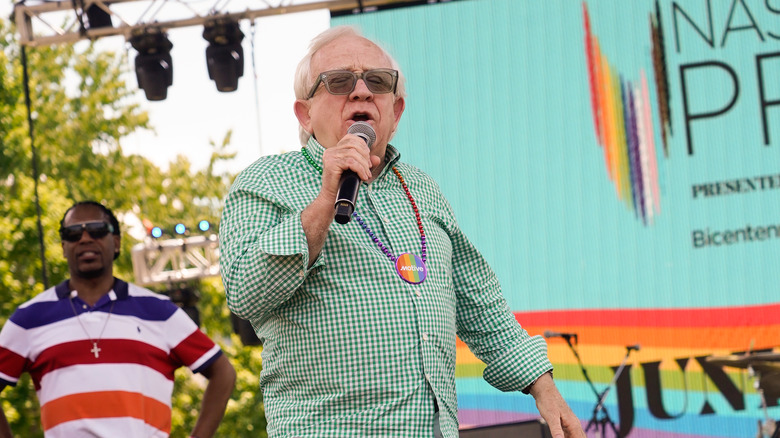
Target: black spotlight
[224, 55]
[153, 64]
[186, 298]
[97, 17]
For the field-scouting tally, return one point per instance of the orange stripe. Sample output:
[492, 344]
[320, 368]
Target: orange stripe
[408, 260]
[686, 317]
[106, 404]
[608, 356]
[736, 337]
[609, 128]
[712, 338]
[600, 98]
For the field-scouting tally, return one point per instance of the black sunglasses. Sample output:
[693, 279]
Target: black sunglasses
[96, 230]
[340, 82]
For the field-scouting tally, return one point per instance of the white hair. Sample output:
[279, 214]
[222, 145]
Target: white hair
[304, 77]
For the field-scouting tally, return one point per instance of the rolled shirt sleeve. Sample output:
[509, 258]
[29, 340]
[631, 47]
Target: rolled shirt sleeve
[264, 252]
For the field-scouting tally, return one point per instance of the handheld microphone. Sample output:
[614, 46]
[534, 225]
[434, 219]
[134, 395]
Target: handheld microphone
[350, 182]
[633, 347]
[567, 336]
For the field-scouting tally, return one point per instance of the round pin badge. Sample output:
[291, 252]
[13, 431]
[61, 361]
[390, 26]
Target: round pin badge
[411, 268]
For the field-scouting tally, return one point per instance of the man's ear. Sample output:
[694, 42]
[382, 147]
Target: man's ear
[117, 245]
[301, 108]
[398, 108]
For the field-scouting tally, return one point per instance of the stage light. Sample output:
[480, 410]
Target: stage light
[153, 64]
[156, 232]
[186, 298]
[180, 228]
[97, 17]
[224, 55]
[204, 225]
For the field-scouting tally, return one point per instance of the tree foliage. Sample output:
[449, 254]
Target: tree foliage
[82, 108]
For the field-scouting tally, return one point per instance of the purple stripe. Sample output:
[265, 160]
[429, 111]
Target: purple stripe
[637, 160]
[49, 312]
[471, 418]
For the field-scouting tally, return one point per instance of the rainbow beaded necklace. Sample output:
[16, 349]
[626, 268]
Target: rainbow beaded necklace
[408, 266]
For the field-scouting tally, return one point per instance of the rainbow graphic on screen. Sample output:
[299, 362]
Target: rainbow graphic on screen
[668, 378]
[623, 122]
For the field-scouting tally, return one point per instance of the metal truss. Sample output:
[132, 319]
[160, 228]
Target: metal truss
[175, 260]
[45, 22]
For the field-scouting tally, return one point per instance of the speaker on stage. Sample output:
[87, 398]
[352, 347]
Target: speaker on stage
[523, 429]
[244, 329]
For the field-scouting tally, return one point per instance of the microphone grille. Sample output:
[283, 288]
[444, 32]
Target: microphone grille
[364, 130]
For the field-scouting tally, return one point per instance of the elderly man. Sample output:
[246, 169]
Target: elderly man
[359, 320]
[102, 352]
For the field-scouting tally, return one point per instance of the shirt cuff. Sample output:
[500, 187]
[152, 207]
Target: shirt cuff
[527, 389]
[520, 366]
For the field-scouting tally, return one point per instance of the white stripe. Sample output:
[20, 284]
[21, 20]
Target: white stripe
[642, 138]
[177, 327]
[105, 427]
[8, 378]
[153, 333]
[13, 337]
[105, 377]
[204, 358]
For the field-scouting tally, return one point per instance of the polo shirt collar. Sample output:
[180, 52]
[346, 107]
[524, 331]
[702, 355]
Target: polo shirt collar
[118, 292]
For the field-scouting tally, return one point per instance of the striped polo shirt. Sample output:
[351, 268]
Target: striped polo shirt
[103, 370]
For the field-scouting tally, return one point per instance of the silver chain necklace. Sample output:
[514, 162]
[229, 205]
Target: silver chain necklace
[95, 349]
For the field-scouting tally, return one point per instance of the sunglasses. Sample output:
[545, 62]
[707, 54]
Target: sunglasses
[96, 230]
[340, 82]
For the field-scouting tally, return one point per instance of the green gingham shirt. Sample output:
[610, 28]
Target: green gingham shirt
[349, 348]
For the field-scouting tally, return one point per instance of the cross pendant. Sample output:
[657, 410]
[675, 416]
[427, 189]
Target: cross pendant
[95, 349]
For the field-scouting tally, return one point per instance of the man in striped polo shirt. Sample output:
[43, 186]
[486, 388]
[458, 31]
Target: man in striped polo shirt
[102, 352]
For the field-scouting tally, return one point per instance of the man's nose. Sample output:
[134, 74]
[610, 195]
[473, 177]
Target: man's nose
[361, 91]
[84, 234]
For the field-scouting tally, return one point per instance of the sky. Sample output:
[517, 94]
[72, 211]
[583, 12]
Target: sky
[259, 113]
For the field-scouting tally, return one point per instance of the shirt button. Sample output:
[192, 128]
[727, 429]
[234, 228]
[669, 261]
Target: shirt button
[418, 293]
[425, 336]
[427, 377]
[302, 273]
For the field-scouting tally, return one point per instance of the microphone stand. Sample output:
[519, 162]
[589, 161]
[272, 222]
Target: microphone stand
[767, 428]
[600, 415]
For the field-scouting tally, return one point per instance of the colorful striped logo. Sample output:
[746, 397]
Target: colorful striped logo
[411, 268]
[623, 121]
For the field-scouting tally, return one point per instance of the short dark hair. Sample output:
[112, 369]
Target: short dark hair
[107, 211]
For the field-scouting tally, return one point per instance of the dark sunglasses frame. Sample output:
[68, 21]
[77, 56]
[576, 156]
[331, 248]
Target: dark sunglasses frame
[96, 230]
[322, 78]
